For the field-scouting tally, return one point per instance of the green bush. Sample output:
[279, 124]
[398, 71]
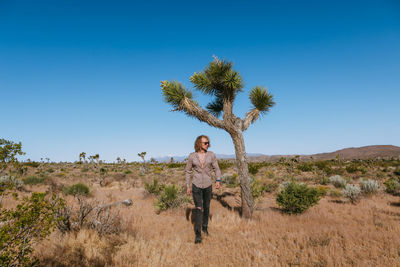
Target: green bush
[230, 179]
[335, 193]
[397, 171]
[33, 164]
[352, 168]
[270, 187]
[127, 172]
[258, 188]
[224, 164]
[154, 188]
[324, 180]
[297, 198]
[34, 180]
[176, 165]
[76, 189]
[322, 165]
[170, 197]
[305, 167]
[322, 190]
[31, 221]
[392, 186]
[254, 167]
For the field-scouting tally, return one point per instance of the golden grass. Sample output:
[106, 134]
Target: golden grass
[329, 234]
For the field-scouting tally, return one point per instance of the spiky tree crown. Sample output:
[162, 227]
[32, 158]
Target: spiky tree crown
[220, 80]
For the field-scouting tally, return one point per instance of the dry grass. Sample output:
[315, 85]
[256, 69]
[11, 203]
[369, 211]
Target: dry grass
[329, 234]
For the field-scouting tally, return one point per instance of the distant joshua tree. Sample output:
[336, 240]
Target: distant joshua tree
[97, 157]
[144, 161]
[82, 156]
[220, 80]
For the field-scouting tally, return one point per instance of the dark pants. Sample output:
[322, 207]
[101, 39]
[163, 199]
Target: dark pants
[201, 198]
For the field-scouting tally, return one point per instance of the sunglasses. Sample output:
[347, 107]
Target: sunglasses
[206, 143]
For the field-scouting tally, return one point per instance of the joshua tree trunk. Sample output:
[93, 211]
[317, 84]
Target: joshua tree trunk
[243, 172]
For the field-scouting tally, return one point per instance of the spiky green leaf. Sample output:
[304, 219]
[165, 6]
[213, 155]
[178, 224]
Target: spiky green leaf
[261, 99]
[174, 93]
[216, 107]
[218, 79]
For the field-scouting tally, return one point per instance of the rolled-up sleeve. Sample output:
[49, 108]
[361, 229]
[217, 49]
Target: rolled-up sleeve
[188, 170]
[216, 168]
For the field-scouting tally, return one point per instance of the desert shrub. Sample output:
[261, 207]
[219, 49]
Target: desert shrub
[321, 164]
[127, 172]
[76, 189]
[324, 180]
[50, 170]
[335, 193]
[154, 188]
[363, 170]
[392, 186]
[352, 168]
[33, 164]
[337, 181]
[270, 187]
[297, 198]
[258, 188]
[157, 169]
[230, 179]
[369, 186]
[86, 169]
[34, 180]
[224, 164]
[9, 182]
[352, 192]
[322, 190]
[89, 215]
[176, 165]
[61, 175]
[29, 222]
[270, 174]
[254, 167]
[305, 167]
[170, 197]
[397, 171]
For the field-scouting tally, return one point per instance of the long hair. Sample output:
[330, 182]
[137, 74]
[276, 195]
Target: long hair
[197, 143]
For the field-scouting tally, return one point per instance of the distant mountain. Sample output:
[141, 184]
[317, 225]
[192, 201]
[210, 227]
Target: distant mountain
[365, 152]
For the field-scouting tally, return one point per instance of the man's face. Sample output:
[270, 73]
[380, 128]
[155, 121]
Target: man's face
[204, 143]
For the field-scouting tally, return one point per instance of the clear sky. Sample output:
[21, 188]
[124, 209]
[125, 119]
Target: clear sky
[85, 75]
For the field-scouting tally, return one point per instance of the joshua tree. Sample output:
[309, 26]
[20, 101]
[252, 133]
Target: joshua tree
[220, 80]
[144, 161]
[82, 156]
[97, 157]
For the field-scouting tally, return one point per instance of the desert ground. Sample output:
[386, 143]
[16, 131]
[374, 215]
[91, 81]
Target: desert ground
[335, 232]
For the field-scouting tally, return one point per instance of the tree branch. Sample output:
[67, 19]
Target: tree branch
[250, 117]
[191, 109]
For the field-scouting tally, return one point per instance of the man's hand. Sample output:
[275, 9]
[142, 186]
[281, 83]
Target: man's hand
[188, 191]
[217, 185]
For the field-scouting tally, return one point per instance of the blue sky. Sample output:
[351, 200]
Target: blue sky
[85, 75]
